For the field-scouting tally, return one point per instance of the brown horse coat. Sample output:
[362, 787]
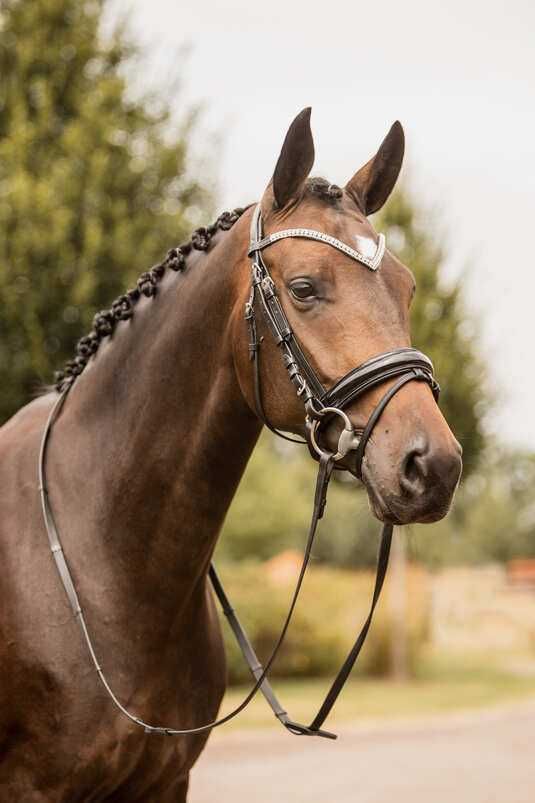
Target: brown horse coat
[142, 465]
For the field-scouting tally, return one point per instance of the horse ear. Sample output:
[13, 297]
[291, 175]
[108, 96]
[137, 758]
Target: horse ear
[373, 183]
[295, 161]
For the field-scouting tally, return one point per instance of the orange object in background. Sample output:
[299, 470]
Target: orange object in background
[521, 572]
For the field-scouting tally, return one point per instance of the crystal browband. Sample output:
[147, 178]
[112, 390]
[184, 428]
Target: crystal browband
[310, 234]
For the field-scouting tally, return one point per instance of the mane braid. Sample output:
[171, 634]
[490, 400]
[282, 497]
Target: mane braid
[324, 190]
[122, 308]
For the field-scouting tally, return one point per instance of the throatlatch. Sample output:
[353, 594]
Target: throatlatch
[320, 405]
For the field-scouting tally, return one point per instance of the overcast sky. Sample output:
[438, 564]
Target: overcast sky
[461, 78]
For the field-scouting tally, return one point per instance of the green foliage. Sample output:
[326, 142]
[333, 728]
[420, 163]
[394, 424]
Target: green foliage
[439, 325]
[93, 183]
[332, 609]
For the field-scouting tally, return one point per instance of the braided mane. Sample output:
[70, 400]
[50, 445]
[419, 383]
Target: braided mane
[122, 309]
[321, 188]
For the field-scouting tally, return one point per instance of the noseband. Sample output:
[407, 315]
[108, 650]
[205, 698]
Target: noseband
[320, 406]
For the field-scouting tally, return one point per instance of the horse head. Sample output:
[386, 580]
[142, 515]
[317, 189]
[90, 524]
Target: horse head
[342, 314]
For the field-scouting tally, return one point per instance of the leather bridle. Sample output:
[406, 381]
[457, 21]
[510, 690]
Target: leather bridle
[320, 406]
[405, 364]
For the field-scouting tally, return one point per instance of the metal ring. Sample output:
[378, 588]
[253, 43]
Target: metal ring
[347, 440]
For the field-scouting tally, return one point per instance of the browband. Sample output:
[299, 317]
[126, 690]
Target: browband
[311, 234]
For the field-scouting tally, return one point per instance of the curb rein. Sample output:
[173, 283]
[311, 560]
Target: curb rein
[405, 365]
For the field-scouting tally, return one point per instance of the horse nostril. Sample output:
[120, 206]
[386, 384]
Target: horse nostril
[425, 470]
[414, 471]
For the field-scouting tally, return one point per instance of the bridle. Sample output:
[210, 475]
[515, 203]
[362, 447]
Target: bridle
[405, 364]
[320, 406]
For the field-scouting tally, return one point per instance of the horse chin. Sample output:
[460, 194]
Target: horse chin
[376, 501]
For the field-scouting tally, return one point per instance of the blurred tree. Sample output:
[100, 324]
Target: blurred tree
[93, 184]
[440, 325]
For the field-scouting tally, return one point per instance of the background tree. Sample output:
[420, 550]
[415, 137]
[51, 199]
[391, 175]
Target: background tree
[93, 183]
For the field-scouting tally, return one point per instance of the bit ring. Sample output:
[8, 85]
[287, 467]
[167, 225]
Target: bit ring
[347, 440]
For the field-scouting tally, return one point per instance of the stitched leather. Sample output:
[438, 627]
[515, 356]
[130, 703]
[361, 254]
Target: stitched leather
[378, 370]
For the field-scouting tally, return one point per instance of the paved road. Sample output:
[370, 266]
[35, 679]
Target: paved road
[485, 757]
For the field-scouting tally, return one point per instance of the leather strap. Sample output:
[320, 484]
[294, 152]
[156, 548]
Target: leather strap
[377, 413]
[343, 674]
[51, 530]
[259, 673]
[378, 370]
[299, 369]
[314, 729]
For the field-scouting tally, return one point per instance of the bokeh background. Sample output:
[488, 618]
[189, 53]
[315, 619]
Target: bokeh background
[123, 125]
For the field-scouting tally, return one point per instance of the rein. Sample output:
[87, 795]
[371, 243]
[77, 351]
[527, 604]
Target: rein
[320, 405]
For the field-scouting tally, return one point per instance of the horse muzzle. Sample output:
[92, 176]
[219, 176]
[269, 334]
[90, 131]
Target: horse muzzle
[419, 486]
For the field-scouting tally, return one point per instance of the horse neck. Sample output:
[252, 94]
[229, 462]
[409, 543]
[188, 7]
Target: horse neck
[155, 434]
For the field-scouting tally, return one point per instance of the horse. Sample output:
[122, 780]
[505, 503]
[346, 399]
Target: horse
[145, 457]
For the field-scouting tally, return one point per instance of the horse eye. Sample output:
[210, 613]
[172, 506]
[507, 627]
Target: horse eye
[302, 289]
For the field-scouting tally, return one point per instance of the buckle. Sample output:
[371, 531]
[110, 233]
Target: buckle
[303, 730]
[268, 287]
[257, 274]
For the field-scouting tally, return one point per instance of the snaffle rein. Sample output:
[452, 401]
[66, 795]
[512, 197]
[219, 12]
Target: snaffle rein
[320, 406]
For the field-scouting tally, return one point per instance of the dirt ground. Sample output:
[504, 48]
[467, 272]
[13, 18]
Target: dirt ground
[482, 757]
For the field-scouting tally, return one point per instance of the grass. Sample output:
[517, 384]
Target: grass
[444, 685]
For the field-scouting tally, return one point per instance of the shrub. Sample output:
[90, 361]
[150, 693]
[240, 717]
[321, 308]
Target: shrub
[331, 610]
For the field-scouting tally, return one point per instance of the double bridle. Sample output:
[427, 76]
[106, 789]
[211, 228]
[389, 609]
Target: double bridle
[321, 405]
